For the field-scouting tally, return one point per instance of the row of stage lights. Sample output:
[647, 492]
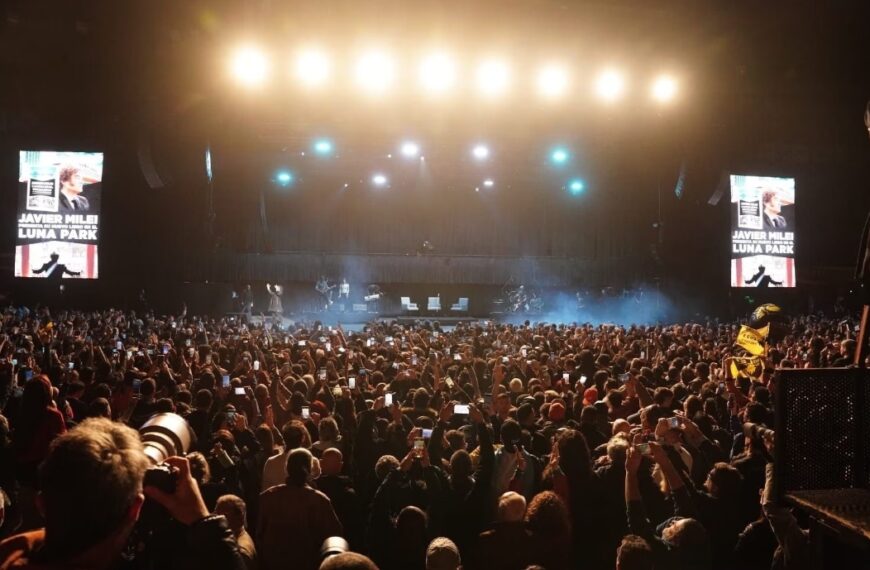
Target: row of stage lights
[558, 156]
[376, 73]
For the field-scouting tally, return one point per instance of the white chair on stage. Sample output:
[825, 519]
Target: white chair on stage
[408, 306]
[434, 304]
[460, 306]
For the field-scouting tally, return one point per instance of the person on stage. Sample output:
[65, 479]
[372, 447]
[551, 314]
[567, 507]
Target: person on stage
[247, 301]
[325, 291]
[55, 270]
[276, 309]
[344, 289]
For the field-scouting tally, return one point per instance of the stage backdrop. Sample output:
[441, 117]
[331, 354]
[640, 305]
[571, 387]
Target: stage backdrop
[762, 231]
[58, 218]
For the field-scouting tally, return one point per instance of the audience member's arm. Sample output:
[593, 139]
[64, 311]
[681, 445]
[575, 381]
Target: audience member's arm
[793, 540]
[642, 393]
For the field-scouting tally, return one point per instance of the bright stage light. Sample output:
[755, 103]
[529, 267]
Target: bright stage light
[552, 81]
[284, 177]
[379, 180]
[375, 72]
[437, 73]
[323, 146]
[559, 156]
[480, 152]
[664, 89]
[493, 77]
[488, 183]
[312, 68]
[576, 186]
[610, 85]
[250, 66]
[410, 149]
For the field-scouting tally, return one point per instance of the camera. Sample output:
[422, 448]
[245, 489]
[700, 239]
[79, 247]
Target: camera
[166, 435]
[757, 432]
[333, 546]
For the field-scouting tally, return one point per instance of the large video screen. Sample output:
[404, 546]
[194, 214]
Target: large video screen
[762, 231]
[58, 224]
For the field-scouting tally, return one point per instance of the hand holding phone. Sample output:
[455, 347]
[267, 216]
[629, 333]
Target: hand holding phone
[256, 365]
[388, 399]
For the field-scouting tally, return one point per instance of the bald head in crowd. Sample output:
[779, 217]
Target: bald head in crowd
[331, 462]
[511, 507]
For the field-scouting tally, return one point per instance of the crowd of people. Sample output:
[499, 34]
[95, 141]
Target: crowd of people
[482, 445]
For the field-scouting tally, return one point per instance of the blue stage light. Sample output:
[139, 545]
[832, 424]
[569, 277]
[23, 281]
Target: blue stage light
[283, 177]
[560, 156]
[576, 186]
[323, 147]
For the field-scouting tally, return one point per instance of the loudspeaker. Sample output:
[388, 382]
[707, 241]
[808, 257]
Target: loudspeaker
[822, 429]
[147, 165]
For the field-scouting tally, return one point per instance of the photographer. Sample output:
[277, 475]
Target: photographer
[91, 496]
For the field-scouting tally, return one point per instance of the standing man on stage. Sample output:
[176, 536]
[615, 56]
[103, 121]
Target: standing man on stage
[325, 291]
[276, 309]
[344, 289]
[247, 301]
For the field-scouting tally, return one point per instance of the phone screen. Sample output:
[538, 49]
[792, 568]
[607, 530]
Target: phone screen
[137, 385]
[225, 381]
[300, 343]
[322, 373]
[239, 391]
[419, 444]
[457, 357]
[351, 383]
[583, 379]
[28, 374]
[306, 412]
[460, 409]
[256, 365]
[566, 377]
[427, 434]
[119, 345]
[71, 365]
[388, 399]
[674, 423]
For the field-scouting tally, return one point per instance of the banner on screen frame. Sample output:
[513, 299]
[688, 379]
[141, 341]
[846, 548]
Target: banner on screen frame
[762, 231]
[58, 217]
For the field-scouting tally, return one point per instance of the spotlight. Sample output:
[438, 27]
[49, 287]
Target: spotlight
[610, 85]
[493, 77]
[559, 156]
[664, 89]
[480, 152]
[250, 66]
[284, 177]
[379, 180]
[437, 73]
[576, 186]
[312, 68]
[323, 146]
[375, 72]
[552, 81]
[410, 149]
[488, 183]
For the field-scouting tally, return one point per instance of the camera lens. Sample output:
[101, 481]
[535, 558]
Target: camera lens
[166, 435]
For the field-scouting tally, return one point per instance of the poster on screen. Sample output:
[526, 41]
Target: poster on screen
[58, 216]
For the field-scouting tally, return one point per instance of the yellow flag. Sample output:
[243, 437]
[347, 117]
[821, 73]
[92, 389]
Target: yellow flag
[751, 340]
